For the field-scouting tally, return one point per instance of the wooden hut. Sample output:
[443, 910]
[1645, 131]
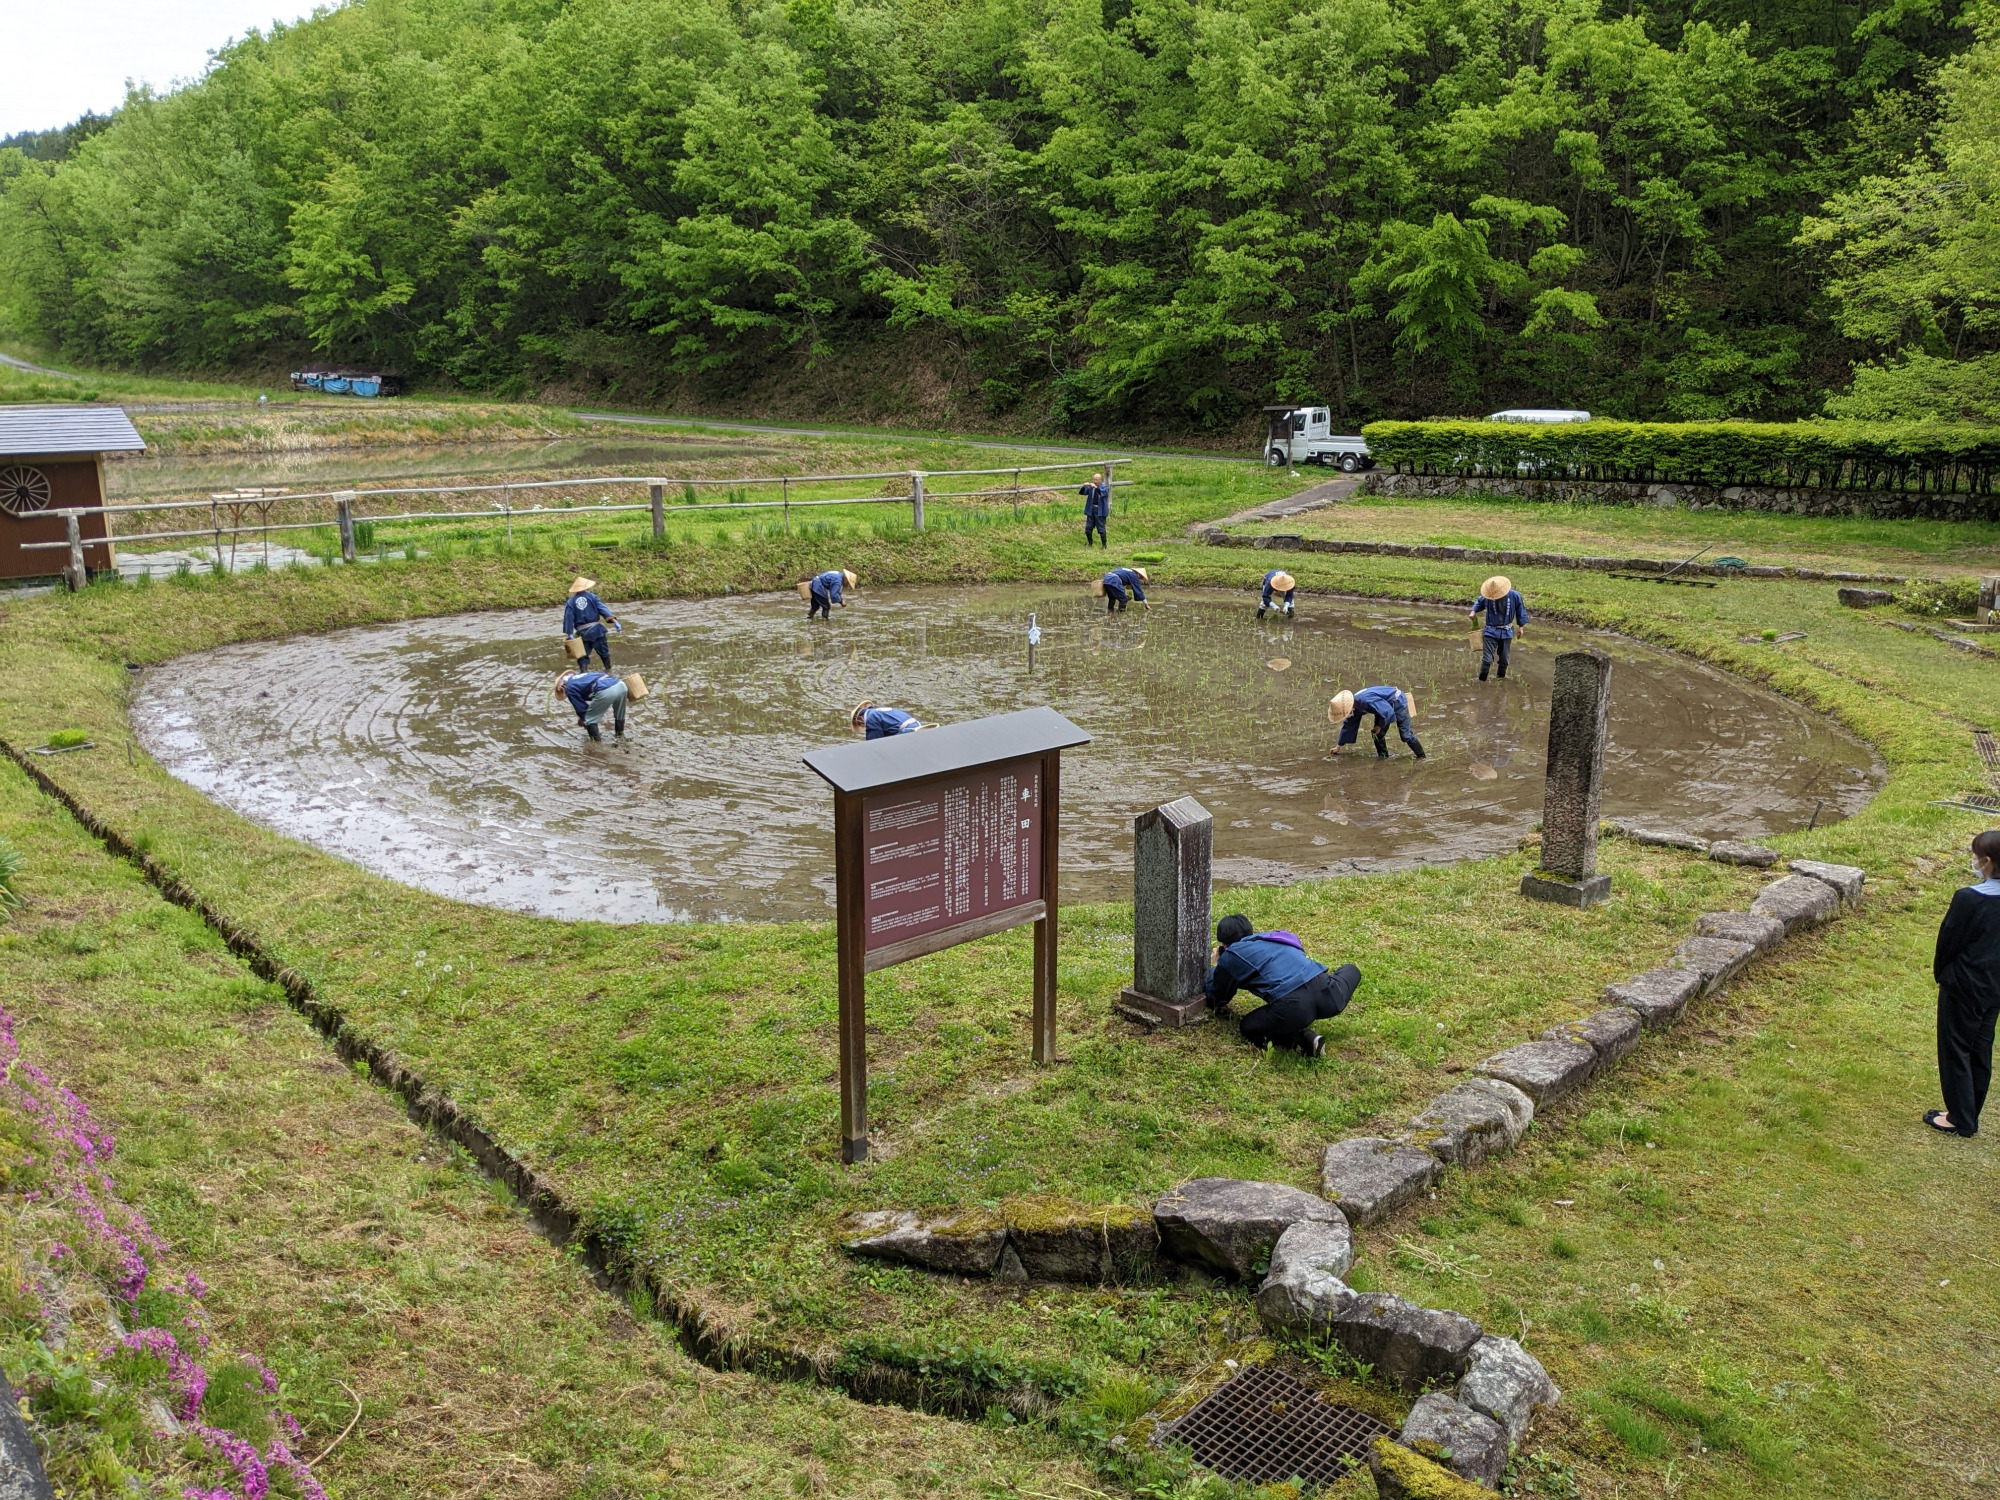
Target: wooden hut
[52, 460]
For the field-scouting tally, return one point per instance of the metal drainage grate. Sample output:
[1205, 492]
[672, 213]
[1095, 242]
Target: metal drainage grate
[1264, 1426]
[1988, 752]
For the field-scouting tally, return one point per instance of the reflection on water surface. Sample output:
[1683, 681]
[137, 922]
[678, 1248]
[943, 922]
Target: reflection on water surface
[429, 752]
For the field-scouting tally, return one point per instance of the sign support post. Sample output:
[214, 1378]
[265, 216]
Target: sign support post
[940, 838]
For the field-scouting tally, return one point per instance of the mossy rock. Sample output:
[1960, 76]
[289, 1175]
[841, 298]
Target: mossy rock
[1403, 1475]
[1060, 1240]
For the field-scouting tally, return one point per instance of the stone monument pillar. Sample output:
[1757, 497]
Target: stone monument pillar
[1989, 600]
[1172, 849]
[1579, 713]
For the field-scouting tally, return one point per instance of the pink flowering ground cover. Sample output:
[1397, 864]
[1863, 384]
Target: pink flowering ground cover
[108, 1341]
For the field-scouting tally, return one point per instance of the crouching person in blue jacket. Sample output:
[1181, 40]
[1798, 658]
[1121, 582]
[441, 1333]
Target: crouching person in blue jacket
[1389, 705]
[593, 695]
[828, 589]
[1295, 990]
[880, 723]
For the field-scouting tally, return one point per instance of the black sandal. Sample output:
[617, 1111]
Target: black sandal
[1931, 1119]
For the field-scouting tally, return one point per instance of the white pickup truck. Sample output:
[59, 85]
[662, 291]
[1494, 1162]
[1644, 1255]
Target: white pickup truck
[1304, 435]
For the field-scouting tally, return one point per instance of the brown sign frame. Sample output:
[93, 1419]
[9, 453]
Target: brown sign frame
[912, 763]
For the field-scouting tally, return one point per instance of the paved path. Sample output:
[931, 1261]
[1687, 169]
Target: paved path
[27, 369]
[640, 419]
[1331, 492]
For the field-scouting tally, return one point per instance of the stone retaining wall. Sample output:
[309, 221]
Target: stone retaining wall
[1885, 504]
[1288, 542]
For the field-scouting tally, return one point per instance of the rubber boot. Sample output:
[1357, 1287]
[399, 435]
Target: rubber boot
[1484, 670]
[591, 730]
[1381, 748]
[1417, 749]
[1503, 671]
[1260, 611]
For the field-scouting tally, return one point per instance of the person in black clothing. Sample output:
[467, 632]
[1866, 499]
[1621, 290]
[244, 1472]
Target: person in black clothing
[1295, 989]
[1967, 970]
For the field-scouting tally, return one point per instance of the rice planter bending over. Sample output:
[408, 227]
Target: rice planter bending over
[585, 615]
[593, 695]
[1120, 582]
[1501, 603]
[1278, 584]
[1295, 989]
[828, 589]
[1389, 705]
[881, 723]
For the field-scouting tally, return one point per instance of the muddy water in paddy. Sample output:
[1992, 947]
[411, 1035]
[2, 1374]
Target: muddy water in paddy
[430, 752]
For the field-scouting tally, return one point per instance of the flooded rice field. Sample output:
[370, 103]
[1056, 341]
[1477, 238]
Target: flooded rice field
[433, 753]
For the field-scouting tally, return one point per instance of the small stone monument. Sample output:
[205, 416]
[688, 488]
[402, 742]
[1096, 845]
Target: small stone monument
[1989, 600]
[1173, 847]
[1579, 713]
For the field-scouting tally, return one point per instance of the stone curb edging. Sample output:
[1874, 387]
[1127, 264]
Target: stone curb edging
[701, 1334]
[1288, 542]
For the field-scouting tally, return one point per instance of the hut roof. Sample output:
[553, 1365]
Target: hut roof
[67, 429]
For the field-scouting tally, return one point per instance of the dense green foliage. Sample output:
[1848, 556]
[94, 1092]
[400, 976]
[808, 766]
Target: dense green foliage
[1154, 210]
[1931, 457]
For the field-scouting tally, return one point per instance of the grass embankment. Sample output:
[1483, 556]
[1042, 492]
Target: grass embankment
[350, 1250]
[676, 1082]
[1832, 543]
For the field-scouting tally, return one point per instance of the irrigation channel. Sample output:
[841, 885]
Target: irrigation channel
[435, 753]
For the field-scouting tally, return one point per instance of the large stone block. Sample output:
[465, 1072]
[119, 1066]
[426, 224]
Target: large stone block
[963, 1246]
[1481, 1117]
[1505, 1382]
[1717, 960]
[1798, 901]
[1846, 879]
[1543, 1070]
[1756, 928]
[1468, 1443]
[1409, 1346]
[1173, 847]
[1367, 1177]
[1611, 1033]
[1111, 1243]
[1403, 1474]
[1539, 885]
[1658, 996]
[1304, 1291]
[1227, 1225]
[1730, 852]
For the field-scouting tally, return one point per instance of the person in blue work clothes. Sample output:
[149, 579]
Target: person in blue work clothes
[1505, 614]
[586, 616]
[880, 723]
[1278, 584]
[1096, 508]
[1120, 582]
[1389, 705]
[593, 695]
[1295, 989]
[828, 589]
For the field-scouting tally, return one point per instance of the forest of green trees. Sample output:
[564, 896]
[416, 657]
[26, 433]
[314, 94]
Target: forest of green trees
[1163, 212]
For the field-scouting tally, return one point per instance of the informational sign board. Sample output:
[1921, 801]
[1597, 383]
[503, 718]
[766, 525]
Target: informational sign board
[941, 837]
[963, 849]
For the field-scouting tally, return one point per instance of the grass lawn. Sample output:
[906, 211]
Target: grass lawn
[1844, 543]
[676, 1083]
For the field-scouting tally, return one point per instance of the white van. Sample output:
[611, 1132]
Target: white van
[1538, 414]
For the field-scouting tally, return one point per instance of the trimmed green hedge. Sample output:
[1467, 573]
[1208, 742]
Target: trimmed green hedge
[1933, 458]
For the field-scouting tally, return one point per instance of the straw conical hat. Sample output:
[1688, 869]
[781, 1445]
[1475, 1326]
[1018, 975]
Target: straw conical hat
[1283, 583]
[1144, 576]
[1339, 706]
[859, 709]
[851, 580]
[1495, 587]
[582, 585]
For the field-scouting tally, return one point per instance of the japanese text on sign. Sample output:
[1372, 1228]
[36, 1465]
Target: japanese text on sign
[952, 850]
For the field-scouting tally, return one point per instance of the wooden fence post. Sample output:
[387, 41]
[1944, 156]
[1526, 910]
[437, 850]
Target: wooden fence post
[917, 500]
[343, 510]
[659, 495]
[74, 573]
